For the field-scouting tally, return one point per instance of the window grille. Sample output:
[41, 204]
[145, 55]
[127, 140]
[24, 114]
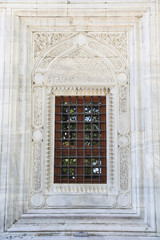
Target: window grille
[80, 139]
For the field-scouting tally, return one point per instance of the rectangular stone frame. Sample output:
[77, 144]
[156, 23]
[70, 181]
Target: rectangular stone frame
[47, 83]
[142, 19]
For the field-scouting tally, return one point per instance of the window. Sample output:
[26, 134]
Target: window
[80, 139]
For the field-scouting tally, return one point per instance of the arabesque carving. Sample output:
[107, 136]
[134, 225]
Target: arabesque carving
[117, 40]
[123, 99]
[43, 41]
[36, 166]
[37, 106]
[79, 70]
[124, 167]
[80, 67]
[107, 53]
[54, 53]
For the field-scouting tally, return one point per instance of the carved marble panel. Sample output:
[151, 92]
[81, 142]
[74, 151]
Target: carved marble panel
[37, 166]
[80, 67]
[37, 106]
[43, 41]
[83, 64]
[115, 39]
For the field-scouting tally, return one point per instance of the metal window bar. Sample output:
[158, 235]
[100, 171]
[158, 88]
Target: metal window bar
[91, 170]
[99, 145]
[61, 137]
[83, 139]
[80, 169]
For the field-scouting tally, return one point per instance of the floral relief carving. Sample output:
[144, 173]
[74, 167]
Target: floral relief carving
[117, 40]
[110, 55]
[54, 53]
[37, 93]
[36, 167]
[37, 136]
[116, 63]
[42, 41]
[123, 99]
[80, 72]
[124, 168]
[124, 153]
[123, 105]
[80, 67]
[124, 175]
[101, 49]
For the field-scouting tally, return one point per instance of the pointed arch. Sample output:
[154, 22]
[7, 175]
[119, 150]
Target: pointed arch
[104, 63]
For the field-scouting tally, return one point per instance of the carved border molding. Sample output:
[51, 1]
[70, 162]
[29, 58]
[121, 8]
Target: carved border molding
[117, 100]
[49, 45]
[75, 188]
[112, 142]
[139, 20]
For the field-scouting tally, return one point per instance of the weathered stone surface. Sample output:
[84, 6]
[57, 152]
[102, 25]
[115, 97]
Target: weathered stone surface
[50, 237]
[79, 48]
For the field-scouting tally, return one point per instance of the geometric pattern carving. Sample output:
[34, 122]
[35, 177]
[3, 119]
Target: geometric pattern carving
[48, 141]
[79, 91]
[80, 188]
[111, 143]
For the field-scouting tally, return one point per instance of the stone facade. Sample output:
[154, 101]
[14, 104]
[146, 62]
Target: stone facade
[71, 48]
